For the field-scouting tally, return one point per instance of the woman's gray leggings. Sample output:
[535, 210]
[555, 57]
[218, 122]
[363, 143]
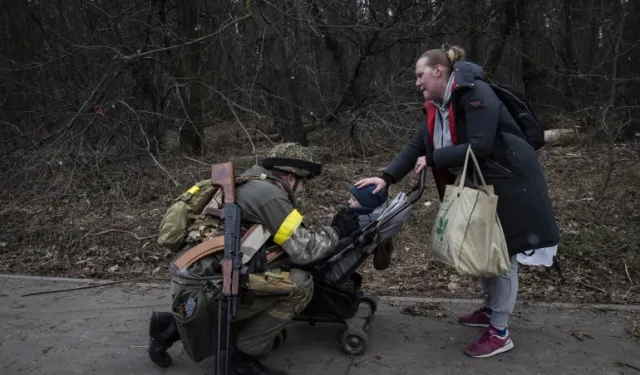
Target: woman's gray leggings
[500, 294]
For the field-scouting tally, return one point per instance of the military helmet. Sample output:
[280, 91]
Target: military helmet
[294, 158]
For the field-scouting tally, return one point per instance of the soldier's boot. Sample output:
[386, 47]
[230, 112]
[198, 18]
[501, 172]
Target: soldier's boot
[163, 332]
[244, 364]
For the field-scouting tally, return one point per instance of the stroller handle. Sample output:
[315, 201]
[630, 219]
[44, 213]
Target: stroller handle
[418, 188]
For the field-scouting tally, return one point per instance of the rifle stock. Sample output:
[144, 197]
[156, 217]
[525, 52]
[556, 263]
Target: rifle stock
[223, 176]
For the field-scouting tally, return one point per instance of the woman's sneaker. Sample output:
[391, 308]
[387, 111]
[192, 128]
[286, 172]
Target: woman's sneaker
[478, 318]
[490, 344]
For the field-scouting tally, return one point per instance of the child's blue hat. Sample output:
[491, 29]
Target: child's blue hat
[368, 200]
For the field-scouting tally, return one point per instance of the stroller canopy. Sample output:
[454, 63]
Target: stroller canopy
[391, 219]
[388, 224]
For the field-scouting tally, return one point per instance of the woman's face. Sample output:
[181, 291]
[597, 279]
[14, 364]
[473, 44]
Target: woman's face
[429, 80]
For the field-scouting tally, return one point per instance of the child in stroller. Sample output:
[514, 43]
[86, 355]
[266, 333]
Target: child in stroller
[337, 295]
[368, 206]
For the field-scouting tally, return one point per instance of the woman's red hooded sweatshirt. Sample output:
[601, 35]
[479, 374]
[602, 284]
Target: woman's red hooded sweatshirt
[442, 176]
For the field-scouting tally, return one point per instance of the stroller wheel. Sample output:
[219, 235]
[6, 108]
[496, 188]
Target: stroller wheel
[354, 341]
[372, 301]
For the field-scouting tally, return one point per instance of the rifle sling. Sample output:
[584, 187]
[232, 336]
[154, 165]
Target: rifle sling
[252, 240]
[210, 246]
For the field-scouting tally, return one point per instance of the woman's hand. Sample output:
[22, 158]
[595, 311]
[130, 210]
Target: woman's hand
[420, 164]
[377, 181]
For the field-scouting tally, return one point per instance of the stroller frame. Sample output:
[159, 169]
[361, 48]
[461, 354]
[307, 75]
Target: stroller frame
[350, 306]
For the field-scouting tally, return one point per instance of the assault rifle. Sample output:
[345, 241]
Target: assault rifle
[223, 175]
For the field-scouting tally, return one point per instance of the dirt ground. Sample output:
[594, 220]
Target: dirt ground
[90, 217]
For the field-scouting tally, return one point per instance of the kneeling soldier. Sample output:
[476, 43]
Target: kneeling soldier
[272, 293]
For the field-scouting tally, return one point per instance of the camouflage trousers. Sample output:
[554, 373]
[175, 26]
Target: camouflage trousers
[260, 319]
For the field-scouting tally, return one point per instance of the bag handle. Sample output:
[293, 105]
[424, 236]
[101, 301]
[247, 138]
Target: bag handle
[476, 169]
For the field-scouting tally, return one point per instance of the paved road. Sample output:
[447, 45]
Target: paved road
[103, 331]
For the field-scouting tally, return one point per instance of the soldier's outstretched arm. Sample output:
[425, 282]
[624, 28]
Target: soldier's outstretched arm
[303, 245]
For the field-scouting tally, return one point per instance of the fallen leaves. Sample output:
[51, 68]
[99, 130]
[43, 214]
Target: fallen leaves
[425, 310]
[453, 286]
[596, 245]
[580, 335]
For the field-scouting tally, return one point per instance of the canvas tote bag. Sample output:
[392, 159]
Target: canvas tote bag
[467, 234]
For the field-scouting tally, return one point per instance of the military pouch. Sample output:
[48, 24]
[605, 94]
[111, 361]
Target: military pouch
[271, 284]
[195, 311]
[176, 220]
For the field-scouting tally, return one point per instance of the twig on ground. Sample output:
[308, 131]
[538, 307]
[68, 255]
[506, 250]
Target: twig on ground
[626, 270]
[195, 160]
[121, 231]
[593, 287]
[624, 364]
[619, 249]
[608, 252]
[72, 289]
[629, 290]
[93, 286]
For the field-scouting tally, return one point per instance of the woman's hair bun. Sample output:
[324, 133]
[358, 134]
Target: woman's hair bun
[456, 53]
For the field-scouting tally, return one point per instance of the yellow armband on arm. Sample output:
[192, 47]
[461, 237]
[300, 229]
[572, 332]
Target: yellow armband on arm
[288, 227]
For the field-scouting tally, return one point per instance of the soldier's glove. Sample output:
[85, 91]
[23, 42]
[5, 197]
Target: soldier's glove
[346, 224]
[340, 215]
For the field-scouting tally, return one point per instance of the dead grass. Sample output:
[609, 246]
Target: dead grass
[425, 309]
[99, 221]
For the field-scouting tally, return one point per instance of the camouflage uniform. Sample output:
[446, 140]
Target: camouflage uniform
[264, 202]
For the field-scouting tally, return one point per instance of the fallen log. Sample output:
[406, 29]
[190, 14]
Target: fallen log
[258, 135]
[558, 137]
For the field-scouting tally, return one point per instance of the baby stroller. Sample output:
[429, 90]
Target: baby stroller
[337, 295]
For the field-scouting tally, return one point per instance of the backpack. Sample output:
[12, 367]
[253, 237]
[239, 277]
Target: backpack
[187, 208]
[523, 112]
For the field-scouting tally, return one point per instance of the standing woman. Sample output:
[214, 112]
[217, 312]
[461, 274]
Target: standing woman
[463, 111]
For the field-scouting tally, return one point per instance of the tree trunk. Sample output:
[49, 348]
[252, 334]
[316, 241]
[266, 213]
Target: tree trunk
[530, 74]
[570, 58]
[277, 71]
[191, 139]
[497, 49]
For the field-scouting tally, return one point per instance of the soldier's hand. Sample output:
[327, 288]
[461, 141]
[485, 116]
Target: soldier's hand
[339, 215]
[346, 224]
